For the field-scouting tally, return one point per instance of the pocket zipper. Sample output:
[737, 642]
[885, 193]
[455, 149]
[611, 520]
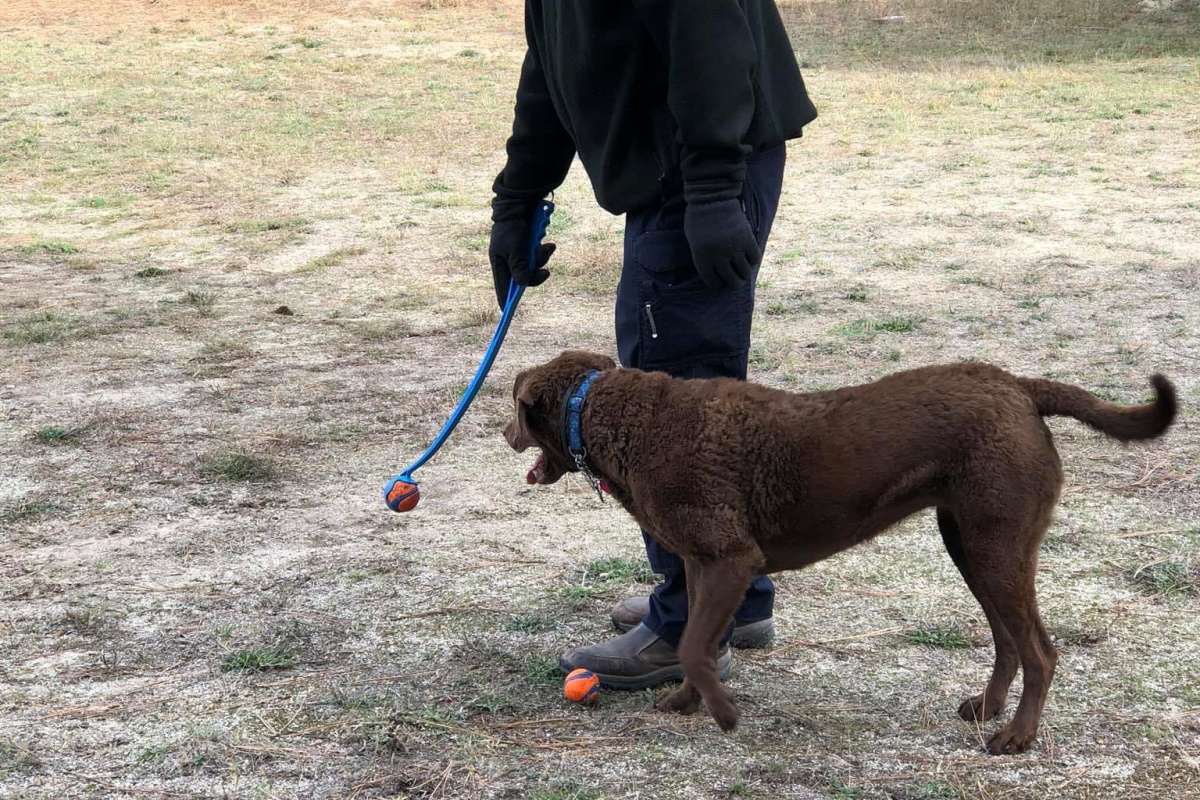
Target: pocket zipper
[650, 319]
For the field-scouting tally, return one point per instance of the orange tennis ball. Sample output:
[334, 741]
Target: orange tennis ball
[581, 686]
[403, 496]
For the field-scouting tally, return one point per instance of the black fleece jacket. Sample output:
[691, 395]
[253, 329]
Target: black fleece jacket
[654, 95]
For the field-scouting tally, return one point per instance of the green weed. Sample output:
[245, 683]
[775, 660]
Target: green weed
[257, 659]
[944, 638]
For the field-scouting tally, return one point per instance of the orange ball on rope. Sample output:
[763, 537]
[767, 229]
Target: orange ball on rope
[403, 495]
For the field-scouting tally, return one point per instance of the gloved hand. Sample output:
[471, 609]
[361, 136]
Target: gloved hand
[723, 245]
[509, 248]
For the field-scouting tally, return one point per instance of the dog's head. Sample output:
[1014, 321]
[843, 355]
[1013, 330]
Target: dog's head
[538, 394]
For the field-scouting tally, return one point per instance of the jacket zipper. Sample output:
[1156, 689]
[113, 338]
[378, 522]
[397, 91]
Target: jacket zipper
[662, 174]
[750, 209]
[660, 159]
[650, 319]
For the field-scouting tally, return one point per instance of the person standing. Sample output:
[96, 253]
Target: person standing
[679, 111]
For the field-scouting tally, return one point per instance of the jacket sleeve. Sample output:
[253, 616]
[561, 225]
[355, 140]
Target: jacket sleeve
[710, 55]
[540, 150]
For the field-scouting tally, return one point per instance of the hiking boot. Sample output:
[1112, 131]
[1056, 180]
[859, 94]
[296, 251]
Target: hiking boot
[629, 613]
[638, 659]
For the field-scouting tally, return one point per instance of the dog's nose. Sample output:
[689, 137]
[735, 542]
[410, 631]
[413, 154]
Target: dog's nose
[510, 436]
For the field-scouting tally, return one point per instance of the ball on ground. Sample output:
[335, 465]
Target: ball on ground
[581, 686]
[403, 496]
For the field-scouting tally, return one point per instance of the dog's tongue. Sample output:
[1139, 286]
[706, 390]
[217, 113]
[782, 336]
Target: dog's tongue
[538, 472]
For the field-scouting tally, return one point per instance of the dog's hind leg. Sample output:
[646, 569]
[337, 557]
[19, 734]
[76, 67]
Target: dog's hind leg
[1004, 563]
[988, 704]
[715, 589]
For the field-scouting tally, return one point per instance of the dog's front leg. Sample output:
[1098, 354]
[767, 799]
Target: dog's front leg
[715, 590]
[684, 699]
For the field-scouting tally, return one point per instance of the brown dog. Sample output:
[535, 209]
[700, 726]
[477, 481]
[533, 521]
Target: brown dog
[740, 479]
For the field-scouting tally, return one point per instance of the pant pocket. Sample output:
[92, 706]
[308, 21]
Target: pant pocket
[684, 327]
[691, 330]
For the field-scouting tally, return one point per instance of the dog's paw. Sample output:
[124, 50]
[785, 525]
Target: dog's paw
[1010, 741]
[684, 700]
[726, 715]
[974, 709]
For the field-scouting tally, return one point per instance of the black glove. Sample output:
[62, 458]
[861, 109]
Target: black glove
[723, 245]
[509, 248]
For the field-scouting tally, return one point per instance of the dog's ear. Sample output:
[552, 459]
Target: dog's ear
[519, 434]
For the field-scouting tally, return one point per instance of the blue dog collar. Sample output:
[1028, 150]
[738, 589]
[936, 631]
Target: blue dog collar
[572, 427]
[574, 410]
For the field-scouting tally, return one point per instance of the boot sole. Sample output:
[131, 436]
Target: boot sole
[751, 636]
[633, 683]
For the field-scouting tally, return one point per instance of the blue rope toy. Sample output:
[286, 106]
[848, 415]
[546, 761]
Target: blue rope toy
[402, 493]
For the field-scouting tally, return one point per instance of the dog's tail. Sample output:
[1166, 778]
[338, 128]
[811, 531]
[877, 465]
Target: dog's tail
[1127, 423]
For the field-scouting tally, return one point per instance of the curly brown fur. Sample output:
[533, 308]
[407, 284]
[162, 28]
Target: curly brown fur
[739, 479]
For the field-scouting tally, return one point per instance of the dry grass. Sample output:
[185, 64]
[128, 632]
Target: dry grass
[189, 480]
[951, 32]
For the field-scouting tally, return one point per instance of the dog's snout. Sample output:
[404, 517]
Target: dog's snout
[514, 437]
[510, 434]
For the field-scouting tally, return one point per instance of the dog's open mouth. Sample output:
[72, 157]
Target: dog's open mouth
[543, 472]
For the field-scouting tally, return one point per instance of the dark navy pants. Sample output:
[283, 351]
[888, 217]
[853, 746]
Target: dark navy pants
[669, 321]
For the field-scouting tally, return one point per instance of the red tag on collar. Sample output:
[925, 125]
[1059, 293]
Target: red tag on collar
[604, 486]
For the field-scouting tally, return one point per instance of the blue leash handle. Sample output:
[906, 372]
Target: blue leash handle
[541, 221]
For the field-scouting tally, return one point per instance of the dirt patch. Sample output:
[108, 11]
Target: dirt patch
[138, 13]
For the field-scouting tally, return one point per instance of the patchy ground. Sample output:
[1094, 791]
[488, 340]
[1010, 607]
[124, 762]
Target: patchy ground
[242, 280]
